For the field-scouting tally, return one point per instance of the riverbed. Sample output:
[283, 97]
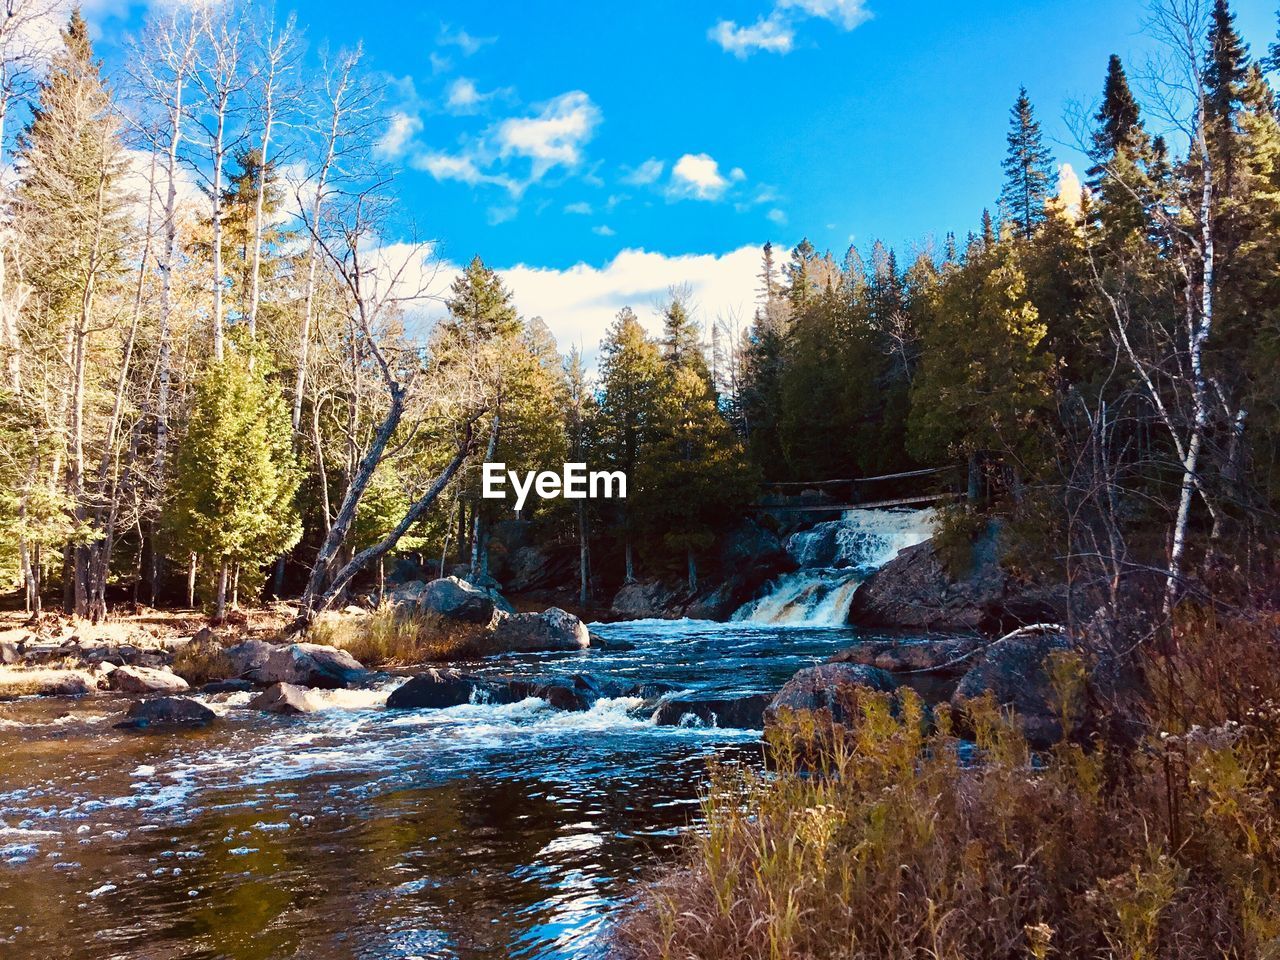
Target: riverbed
[362, 833]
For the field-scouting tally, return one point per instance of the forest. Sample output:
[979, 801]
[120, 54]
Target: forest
[227, 389]
[218, 387]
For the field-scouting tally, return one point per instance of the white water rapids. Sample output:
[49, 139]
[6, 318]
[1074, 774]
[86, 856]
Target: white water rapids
[835, 557]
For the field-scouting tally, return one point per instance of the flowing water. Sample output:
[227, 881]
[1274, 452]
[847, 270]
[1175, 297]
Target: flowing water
[356, 832]
[834, 558]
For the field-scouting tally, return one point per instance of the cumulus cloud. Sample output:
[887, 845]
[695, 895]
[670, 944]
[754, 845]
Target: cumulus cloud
[698, 176]
[401, 129]
[604, 230]
[770, 34]
[555, 136]
[775, 32]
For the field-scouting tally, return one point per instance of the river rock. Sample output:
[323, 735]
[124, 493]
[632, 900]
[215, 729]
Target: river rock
[283, 698]
[247, 658]
[457, 601]
[741, 711]
[167, 713]
[553, 629]
[1015, 671]
[829, 690]
[950, 655]
[436, 690]
[648, 599]
[915, 591]
[129, 679]
[227, 686]
[9, 654]
[311, 665]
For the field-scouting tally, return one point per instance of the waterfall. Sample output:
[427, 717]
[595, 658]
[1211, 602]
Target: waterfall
[834, 558]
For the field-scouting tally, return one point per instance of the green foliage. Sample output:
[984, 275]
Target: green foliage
[1028, 169]
[235, 474]
[984, 382]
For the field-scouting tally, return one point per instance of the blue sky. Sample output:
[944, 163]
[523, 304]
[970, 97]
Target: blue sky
[556, 136]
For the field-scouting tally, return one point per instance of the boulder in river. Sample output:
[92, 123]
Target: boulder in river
[311, 665]
[283, 698]
[436, 690]
[128, 679]
[829, 691]
[1015, 671]
[645, 599]
[227, 686]
[553, 629]
[162, 713]
[916, 591]
[741, 711]
[247, 658]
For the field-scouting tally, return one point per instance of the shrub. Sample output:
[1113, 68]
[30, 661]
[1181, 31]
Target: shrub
[201, 663]
[384, 638]
[896, 842]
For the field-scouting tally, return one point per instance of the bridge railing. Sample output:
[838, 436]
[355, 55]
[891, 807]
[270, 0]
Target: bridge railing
[906, 488]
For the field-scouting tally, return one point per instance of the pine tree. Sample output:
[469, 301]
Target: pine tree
[801, 282]
[236, 474]
[239, 204]
[1118, 123]
[682, 338]
[480, 307]
[70, 162]
[631, 387]
[1028, 169]
[694, 480]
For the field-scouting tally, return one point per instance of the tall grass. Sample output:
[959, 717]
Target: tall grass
[387, 638]
[887, 841]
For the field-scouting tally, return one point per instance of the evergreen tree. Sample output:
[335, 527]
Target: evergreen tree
[631, 388]
[682, 338]
[1118, 123]
[239, 206]
[480, 307]
[1028, 169]
[70, 163]
[236, 476]
[693, 481]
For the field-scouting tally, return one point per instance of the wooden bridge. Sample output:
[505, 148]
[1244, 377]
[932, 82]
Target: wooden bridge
[934, 485]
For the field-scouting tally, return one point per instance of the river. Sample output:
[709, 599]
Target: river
[358, 833]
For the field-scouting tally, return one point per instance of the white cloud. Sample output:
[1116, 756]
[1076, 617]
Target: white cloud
[465, 42]
[647, 173]
[698, 176]
[770, 34]
[464, 168]
[497, 215]
[604, 230]
[775, 33]
[400, 132]
[777, 216]
[581, 207]
[843, 13]
[578, 303]
[464, 97]
[555, 136]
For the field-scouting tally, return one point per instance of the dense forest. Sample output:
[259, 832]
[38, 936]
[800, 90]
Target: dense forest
[218, 388]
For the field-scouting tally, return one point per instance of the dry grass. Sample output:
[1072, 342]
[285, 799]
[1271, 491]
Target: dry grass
[884, 844]
[387, 638]
[201, 663]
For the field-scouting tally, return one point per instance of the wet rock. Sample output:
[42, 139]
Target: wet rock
[437, 690]
[600, 643]
[283, 698]
[167, 713]
[553, 629]
[1015, 671]
[128, 679]
[649, 690]
[227, 686]
[829, 690]
[311, 665]
[740, 711]
[9, 654]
